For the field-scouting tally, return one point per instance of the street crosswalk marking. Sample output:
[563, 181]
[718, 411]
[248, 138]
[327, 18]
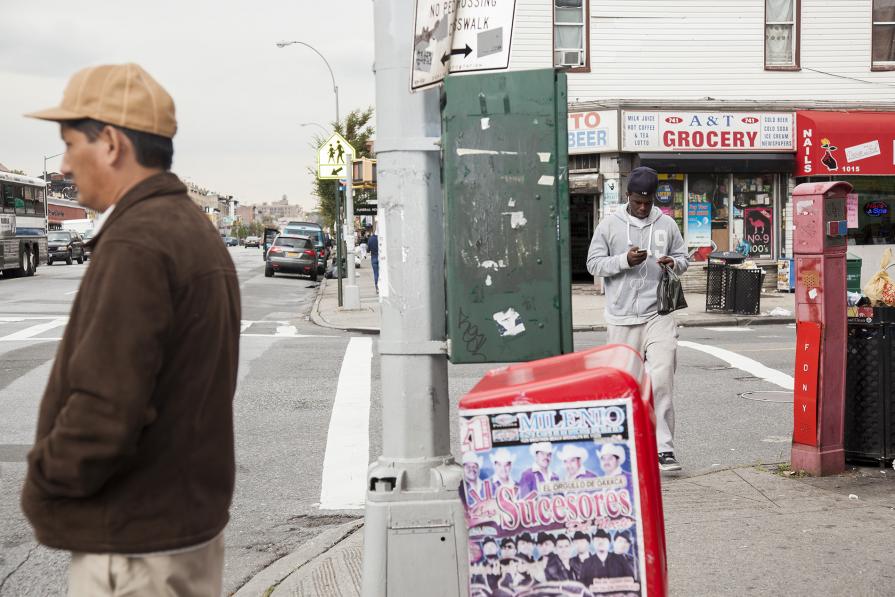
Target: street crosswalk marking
[746, 364]
[348, 440]
[31, 331]
[41, 325]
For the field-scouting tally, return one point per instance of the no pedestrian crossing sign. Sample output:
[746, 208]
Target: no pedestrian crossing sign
[452, 36]
[334, 158]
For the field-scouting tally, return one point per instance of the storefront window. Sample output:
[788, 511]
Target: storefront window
[753, 215]
[670, 197]
[870, 217]
[707, 214]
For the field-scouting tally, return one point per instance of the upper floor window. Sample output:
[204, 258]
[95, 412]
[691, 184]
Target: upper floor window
[570, 33]
[883, 44]
[781, 34]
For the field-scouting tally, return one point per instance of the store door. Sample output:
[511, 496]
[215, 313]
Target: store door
[581, 228]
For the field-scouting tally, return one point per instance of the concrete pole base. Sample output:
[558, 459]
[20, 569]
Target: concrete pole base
[351, 297]
[415, 540]
[816, 461]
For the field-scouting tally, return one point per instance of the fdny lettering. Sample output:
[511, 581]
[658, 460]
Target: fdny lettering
[711, 139]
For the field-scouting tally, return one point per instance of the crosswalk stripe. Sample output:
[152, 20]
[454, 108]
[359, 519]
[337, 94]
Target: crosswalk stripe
[746, 364]
[34, 330]
[348, 440]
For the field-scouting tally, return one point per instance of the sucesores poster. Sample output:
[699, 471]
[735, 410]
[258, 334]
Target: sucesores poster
[552, 500]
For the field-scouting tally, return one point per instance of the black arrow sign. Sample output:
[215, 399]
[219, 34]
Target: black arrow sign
[465, 51]
[336, 171]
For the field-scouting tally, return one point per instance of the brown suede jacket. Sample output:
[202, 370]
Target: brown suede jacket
[134, 450]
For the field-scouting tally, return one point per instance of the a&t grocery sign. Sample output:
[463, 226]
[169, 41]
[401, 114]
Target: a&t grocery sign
[708, 131]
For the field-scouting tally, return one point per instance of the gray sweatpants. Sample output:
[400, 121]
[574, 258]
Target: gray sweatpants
[656, 341]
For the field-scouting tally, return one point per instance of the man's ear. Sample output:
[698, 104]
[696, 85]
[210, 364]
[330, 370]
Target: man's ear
[115, 144]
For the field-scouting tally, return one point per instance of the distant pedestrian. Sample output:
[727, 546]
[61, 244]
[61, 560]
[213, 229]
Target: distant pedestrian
[133, 465]
[632, 273]
[373, 247]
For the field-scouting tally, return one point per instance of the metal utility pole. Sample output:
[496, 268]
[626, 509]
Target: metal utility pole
[352, 293]
[415, 538]
[49, 157]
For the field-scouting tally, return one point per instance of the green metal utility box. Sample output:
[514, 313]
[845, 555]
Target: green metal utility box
[506, 187]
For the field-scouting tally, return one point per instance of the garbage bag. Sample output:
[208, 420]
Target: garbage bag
[880, 289]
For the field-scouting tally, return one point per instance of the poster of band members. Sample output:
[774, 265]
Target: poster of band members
[758, 227]
[552, 502]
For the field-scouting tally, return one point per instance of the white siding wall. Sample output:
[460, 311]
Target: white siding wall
[532, 45]
[687, 50]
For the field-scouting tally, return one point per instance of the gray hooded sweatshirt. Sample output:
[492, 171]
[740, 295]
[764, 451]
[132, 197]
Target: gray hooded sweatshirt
[631, 297]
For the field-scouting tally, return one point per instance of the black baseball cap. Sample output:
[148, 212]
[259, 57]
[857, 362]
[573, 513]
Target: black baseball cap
[643, 181]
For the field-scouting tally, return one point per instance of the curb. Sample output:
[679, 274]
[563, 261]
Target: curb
[269, 578]
[320, 321]
[725, 322]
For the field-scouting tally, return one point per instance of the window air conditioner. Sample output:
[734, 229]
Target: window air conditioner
[572, 58]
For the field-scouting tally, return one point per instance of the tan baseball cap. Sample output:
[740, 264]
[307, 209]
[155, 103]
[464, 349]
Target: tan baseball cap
[123, 95]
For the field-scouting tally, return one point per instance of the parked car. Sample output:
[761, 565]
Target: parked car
[88, 249]
[315, 233]
[231, 241]
[292, 254]
[65, 245]
[253, 241]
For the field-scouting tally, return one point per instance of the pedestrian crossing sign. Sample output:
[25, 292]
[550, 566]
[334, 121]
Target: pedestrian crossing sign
[334, 158]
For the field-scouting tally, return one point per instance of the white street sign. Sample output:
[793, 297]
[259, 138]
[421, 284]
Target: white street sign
[334, 158]
[452, 36]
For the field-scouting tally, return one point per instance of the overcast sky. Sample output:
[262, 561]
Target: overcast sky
[240, 100]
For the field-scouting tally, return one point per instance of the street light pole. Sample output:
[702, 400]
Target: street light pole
[351, 290]
[415, 533]
[317, 124]
[49, 157]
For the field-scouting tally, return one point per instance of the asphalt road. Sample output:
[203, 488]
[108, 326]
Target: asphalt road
[288, 380]
[282, 408]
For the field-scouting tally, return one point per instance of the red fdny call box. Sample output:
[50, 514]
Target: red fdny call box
[561, 480]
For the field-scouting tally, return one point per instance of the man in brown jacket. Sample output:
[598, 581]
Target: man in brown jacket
[133, 466]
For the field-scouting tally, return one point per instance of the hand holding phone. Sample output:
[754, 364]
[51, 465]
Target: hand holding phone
[636, 256]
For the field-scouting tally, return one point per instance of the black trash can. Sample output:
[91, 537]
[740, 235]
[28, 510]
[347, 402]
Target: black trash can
[719, 283]
[869, 395]
[747, 285]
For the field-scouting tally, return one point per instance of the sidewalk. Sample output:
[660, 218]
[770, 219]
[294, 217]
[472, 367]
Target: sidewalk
[744, 531]
[587, 308]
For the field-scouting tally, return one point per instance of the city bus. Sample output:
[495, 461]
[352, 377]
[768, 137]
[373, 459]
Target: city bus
[23, 224]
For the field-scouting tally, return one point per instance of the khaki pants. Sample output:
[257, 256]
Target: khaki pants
[193, 573]
[656, 341]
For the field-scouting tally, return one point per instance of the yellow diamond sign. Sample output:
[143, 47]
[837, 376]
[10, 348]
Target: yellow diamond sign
[334, 158]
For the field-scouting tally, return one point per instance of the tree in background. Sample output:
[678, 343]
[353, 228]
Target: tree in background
[357, 128]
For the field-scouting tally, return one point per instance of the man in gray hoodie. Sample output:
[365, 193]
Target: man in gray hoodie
[626, 251]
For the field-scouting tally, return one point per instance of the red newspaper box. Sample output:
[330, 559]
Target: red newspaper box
[561, 479]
